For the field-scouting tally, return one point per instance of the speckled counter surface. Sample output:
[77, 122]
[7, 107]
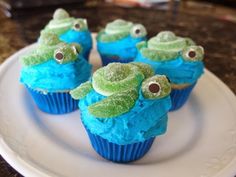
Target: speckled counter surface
[217, 37]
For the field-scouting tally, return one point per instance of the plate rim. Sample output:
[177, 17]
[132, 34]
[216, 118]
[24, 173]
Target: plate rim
[26, 169]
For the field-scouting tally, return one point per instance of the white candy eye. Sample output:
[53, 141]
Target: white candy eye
[59, 56]
[80, 25]
[193, 53]
[156, 87]
[138, 31]
[77, 26]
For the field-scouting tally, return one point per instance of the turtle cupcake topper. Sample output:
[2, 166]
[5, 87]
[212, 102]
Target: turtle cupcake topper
[50, 47]
[167, 46]
[121, 83]
[119, 29]
[62, 22]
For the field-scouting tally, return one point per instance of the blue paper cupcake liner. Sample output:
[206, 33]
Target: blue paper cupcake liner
[180, 96]
[106, 60]
[54, 103]
[119, 153]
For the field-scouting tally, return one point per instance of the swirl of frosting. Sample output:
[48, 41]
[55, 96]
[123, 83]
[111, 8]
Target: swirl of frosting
[116, 77]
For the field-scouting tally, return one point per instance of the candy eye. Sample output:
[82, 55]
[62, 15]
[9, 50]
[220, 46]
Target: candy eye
[77, 26]
[80, 25]
[193, 53]
[59, 56]
[156, 87]
[138, 31]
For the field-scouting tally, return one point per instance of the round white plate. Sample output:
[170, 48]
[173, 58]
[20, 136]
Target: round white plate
[200, 142]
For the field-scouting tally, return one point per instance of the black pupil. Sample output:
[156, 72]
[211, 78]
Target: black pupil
[154, 88]
[59, 56]
[192, 54]
[137, 31]
[77, 25]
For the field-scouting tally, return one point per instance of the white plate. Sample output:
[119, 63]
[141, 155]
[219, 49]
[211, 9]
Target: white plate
[200, 142]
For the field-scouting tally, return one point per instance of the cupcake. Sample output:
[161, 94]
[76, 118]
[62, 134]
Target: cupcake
[50, 71]
[123, 108]
[117, 42]
[180, 59]
[71, 30]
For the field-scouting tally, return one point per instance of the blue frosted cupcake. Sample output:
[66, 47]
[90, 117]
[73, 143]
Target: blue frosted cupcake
[117, 42]
[71, 30]
[123, 109]
[180, 59]
[50, 71]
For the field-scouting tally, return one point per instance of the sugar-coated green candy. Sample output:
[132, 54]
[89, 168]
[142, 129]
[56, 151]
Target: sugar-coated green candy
[33, 59]
[119, 29]
[60, 14]
[116, 77]
[114, 105]
[146, 69]
[103, 37]
[48, 38]
[141, 45]
[81, 91]
[159, 55]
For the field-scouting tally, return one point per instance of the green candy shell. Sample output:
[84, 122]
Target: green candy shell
[115, 104]
[146, 69]
[116, 77]
[159, 55]
[60, 14]
[103, 37]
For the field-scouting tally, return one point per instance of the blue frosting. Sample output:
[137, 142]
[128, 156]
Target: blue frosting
[81, 37]
[178, 70]
[148, 118]
[124, 48]
[52, 77]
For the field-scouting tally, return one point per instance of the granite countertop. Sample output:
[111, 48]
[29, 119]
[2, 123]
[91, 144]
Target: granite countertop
[217, 36]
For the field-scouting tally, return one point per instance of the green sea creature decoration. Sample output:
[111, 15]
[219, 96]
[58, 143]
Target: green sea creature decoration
[121, 84]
